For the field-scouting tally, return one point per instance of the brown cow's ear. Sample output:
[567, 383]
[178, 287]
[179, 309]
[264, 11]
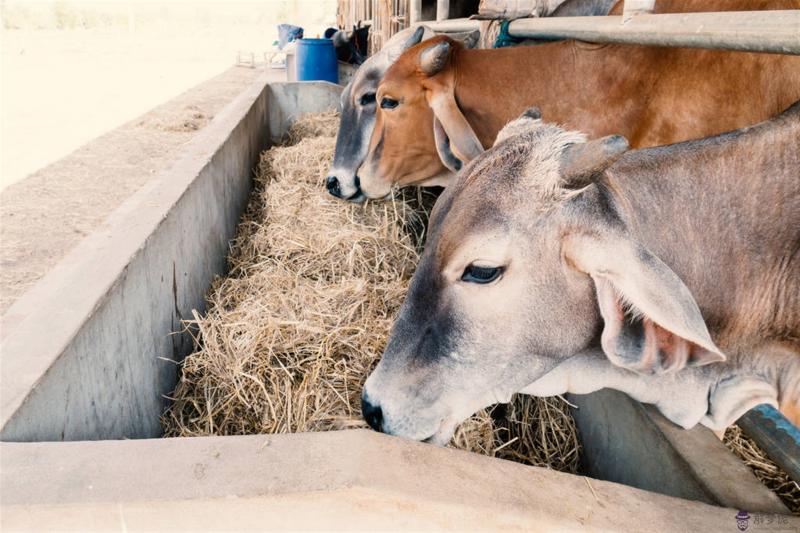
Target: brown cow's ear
[450, 160]
[434, 58]
[461, 138]
[581, 163]
[652, 324]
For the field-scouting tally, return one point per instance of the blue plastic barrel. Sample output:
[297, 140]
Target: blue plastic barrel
[316, 60]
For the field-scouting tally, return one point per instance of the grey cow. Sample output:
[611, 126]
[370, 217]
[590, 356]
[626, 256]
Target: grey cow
[558, 265]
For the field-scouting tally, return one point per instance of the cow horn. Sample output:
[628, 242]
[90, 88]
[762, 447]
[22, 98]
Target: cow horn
[581, 163]
[469, 39]
[415, 38]
[433, 59]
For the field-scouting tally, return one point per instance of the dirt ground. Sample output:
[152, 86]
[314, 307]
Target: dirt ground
[44, 216]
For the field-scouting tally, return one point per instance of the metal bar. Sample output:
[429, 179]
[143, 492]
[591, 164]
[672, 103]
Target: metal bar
[453, 25]
[779, 438]
[755, 31]
[442, 9]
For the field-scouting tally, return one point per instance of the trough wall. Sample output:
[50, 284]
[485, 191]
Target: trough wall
[351, 480]
[90, 351]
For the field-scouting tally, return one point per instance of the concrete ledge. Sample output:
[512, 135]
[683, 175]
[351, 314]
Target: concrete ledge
[630, 443]
[336, 480]
[88, 352]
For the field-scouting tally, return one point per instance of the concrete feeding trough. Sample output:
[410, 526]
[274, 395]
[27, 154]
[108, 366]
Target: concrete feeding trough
[89, 353]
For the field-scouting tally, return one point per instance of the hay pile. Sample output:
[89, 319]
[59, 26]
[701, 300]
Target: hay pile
[304, 314]
[765, 470]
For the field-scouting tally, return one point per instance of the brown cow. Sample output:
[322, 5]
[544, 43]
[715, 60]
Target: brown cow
[558, 265]
[652, 95]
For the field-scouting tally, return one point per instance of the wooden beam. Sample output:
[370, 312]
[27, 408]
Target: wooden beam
[754, 31]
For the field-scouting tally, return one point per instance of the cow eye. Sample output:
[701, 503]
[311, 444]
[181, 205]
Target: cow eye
[388, 103]
[483, 275]
[367, 99]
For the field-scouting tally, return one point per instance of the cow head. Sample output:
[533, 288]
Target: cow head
[359, 108]
[420, 135]
[526, 265]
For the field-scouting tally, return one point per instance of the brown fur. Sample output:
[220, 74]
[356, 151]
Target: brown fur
[652, 95]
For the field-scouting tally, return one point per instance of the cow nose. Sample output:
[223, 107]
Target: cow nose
[332, 184]
[372, 413]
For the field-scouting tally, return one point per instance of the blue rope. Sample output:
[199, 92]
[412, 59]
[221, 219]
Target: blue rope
[504, 38]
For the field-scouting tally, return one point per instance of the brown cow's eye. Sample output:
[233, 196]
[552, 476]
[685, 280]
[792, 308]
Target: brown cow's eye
[389, 103]
[477, 274]
[367, 99]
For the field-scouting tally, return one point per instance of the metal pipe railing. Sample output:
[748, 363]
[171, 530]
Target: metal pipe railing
[774, 434]
[753, 31]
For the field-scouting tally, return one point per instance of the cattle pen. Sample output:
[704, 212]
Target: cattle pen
[113, 306]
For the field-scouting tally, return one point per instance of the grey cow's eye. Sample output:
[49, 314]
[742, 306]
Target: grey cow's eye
[367, 99]
[478, 274]
[389, 103]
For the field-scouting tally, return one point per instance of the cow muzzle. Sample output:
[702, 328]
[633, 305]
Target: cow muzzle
[336, 188]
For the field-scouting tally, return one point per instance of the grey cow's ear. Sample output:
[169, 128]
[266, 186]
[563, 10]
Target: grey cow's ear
[581, 163]
[340, 38]
[434, 58]
[653, 324]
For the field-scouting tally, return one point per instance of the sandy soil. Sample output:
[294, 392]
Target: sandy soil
[43, 216]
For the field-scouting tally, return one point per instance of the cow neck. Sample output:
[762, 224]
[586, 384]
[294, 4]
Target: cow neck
[564, 79]
[678, 201]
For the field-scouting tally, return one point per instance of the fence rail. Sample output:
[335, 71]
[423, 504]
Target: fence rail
[753, 31]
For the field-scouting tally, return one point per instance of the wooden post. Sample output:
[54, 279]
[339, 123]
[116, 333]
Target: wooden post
[636, 7]
[415, 12]
[442, 9]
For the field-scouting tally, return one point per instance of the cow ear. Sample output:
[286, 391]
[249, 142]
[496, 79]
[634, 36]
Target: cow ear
[450, 160]
[582, 162]
[652, 324]
[339, 38]
[461, 138]
[434, 58]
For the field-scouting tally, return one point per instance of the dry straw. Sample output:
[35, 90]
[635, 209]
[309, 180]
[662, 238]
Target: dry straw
[765, 470]
[305, 311]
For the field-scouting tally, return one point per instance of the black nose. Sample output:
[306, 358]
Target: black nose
[332, 184]
[372, 414]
